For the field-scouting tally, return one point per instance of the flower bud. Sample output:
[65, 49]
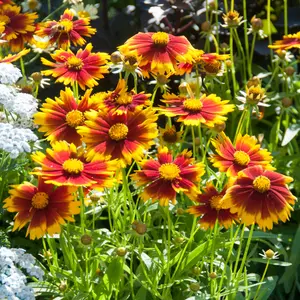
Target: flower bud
[180, 211]
[162, 79]
[37, 77]
[139, 227]
[286, 102]
[116, 57]
[224, 47]
[270, 254]
[206, 26]
[254, 81]
[289, 71]
[212, 275]
[219, 127]
[256, 23]
[121, 251]
[196, 271]
[194, 286]
[86, 239]
[63, 286]
[179, 240]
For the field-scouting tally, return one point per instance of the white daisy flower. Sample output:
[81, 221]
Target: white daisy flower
[87, 11]
[31, 5]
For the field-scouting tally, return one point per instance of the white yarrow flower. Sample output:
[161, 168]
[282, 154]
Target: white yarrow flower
[9, 74]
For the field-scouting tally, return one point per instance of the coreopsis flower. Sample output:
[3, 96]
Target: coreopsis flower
[260, 196]
[289, 41]
[44, 207]
[19, 27]
[31, 5]
[11, 58]
[85, 11]
[245, 153]
[164, 177]
[66, 165]
[120, 100]
[208, 110]
[6, 2]
[59, 118]
[210, 208]
[66, 30]
[123, 137]
[232, 19]
[84, 67]
[160, 52]
[169, 135]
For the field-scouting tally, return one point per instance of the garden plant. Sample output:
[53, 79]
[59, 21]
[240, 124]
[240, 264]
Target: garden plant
[149, 150]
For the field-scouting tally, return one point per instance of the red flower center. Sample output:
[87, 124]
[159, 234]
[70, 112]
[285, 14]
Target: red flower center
[160, 39]
[241, 158]
[40, 200]
[118, 132]
[262, 184]
[216, 202]
[74, 63]
[193, 105]
[74, 118]
[169, 171]
[73, 166]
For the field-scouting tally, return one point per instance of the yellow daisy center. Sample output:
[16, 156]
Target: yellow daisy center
[66, 25]
[160, 39]
[83, 14]
[169, 171]
[193, 105]
[40, 200]
[124, 99]
[118, 132]
[241, 158]
[74, 118]
[262, 184]
[74, 63]
[73, 166]
[170, 135]
[32, 4]
[216, 202]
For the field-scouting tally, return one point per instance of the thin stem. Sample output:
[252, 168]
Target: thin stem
[54, 12]
[251, 54]
[153, 95]
[246, 37]
[286, 28]
[269, 28]
[22, 65]
[240, 46]
[262, 279]
[82, 208]
[232, 64]
[240, 124]
[200, 140]
[194, 142]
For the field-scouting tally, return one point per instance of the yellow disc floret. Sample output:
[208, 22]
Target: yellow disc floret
[74, 118]
[216, 202]
[40, 200]
[241, 158]
[262, 184]
[169, 171]
[193, 105]
[83, 14]
[160, 39]
[65, 25]
[124, 99]
[118, 132]
[74, 63]
[73, 166]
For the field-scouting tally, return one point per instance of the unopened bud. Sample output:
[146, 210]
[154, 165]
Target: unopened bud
[270, 254]
[121, 251]
[116, 57]
[37, 77]
[256, 23]
[180, 211]
[196, 271]
[63, 286]
[86, 239]
[212, 275]
[194, 286]
[289, 71]
[287, 102]
[206, 26]
[139, 227]
[219, 127]
[179, 240]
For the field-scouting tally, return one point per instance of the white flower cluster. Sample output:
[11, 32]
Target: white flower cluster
[13, 262]
[9, 74]
[15, 140]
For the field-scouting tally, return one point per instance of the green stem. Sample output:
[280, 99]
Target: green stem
[82, 209]
[262, 279]
[240, 46]
[286, 28]
[54, 12]
[215, 43]
[232, 64]
[153, 95]
[212, 258]
[200, 140]
[269, 28]
[194, 142]
[240, 124]
[22, 65]
[251, 54]
[246, 38]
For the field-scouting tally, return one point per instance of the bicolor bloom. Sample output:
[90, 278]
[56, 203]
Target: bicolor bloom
[246, 153]
[289, 41]
[164, 177]
[210, 208]
[44, 207]
[160, 51]
[66, 165]
[83, 67]
[11, 58]
[260, 196]
[59, 118]
[66, 30]
[120, 101]
[124, 137]
[208, 110]
[19, 27]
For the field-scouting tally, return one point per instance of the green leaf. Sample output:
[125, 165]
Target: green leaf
[290, 133]
[267, 288]
[272, 262]
[115, 271]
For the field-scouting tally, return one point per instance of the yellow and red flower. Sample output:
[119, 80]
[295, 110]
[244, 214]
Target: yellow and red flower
[66, 165]
[6, 2]
[160, 52]
[165, 177]
[11, 58]
[210, 208]
[59, 118]
[66, 30]
[85, 67]
[260, 196]
[44, 207]
[120, 101]
[19, 27]
[124, 137]
[246, 153]
[208, 110]
[289, 41]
